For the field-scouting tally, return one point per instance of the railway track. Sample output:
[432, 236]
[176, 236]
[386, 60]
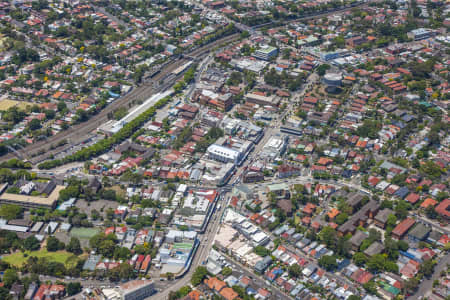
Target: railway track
[281, 24]
[40, 151]
[79, 132]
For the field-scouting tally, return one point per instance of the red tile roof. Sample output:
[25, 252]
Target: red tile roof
[443, 208]
[403, 227]
[427, 202]
[412, 198]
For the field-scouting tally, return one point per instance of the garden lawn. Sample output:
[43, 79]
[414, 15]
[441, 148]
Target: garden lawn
[18, 259]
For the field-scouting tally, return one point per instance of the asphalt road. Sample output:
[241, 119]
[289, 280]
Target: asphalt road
[206, 241]
[258, 281]
[426, 286]
[78, 133]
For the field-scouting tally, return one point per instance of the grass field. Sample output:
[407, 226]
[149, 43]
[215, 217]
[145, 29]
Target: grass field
[18, 259]
[5, 104]
[119, 190]
[84, 233]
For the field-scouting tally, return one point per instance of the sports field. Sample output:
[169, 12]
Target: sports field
[84, 233]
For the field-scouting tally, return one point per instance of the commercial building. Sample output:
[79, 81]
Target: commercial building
[291, 130]
[229, 150]
[265, 52]
[275, 146]
[196, 210]
[177, 251]
[281, 190]
[333, 79]
[223, 102]
[223, 154]
[255, 66]
[132, 290]
[420, 34]
[272, 100]
[250, 177]
[325, 56]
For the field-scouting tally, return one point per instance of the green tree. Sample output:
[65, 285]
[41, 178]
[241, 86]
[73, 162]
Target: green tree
[322, 69]
[295, 270]
[391, 220]
[4, 293]
[402, 245]
[73, 288]
[328, 236]
[262, 251]
[34, 124]
[198, 276]
[53, 244]
[9, 277]
[391, 266]
[376, 263]
[235, 78]
[430, 212]
[411, 285]
[31, 243]
[10, 211]
[359, 258]
[341, 218]
[402, 209]
[245, 34]
[427, 268]
[120, 113]
[74, 246]
[226, 271]
[126, 271]
[391, 248]
[61, 106]
[122, 253]
[328, 262]
[370, 287]
[182, 292]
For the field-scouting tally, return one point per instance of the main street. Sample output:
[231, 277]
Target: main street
[274, 128]
[206, 241]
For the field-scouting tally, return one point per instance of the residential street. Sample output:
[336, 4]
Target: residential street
[426, 286]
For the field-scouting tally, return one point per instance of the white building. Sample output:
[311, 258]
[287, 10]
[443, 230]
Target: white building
[275, 146]
[223, 154]
[132, 290]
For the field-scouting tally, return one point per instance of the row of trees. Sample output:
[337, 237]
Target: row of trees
[105, 144]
